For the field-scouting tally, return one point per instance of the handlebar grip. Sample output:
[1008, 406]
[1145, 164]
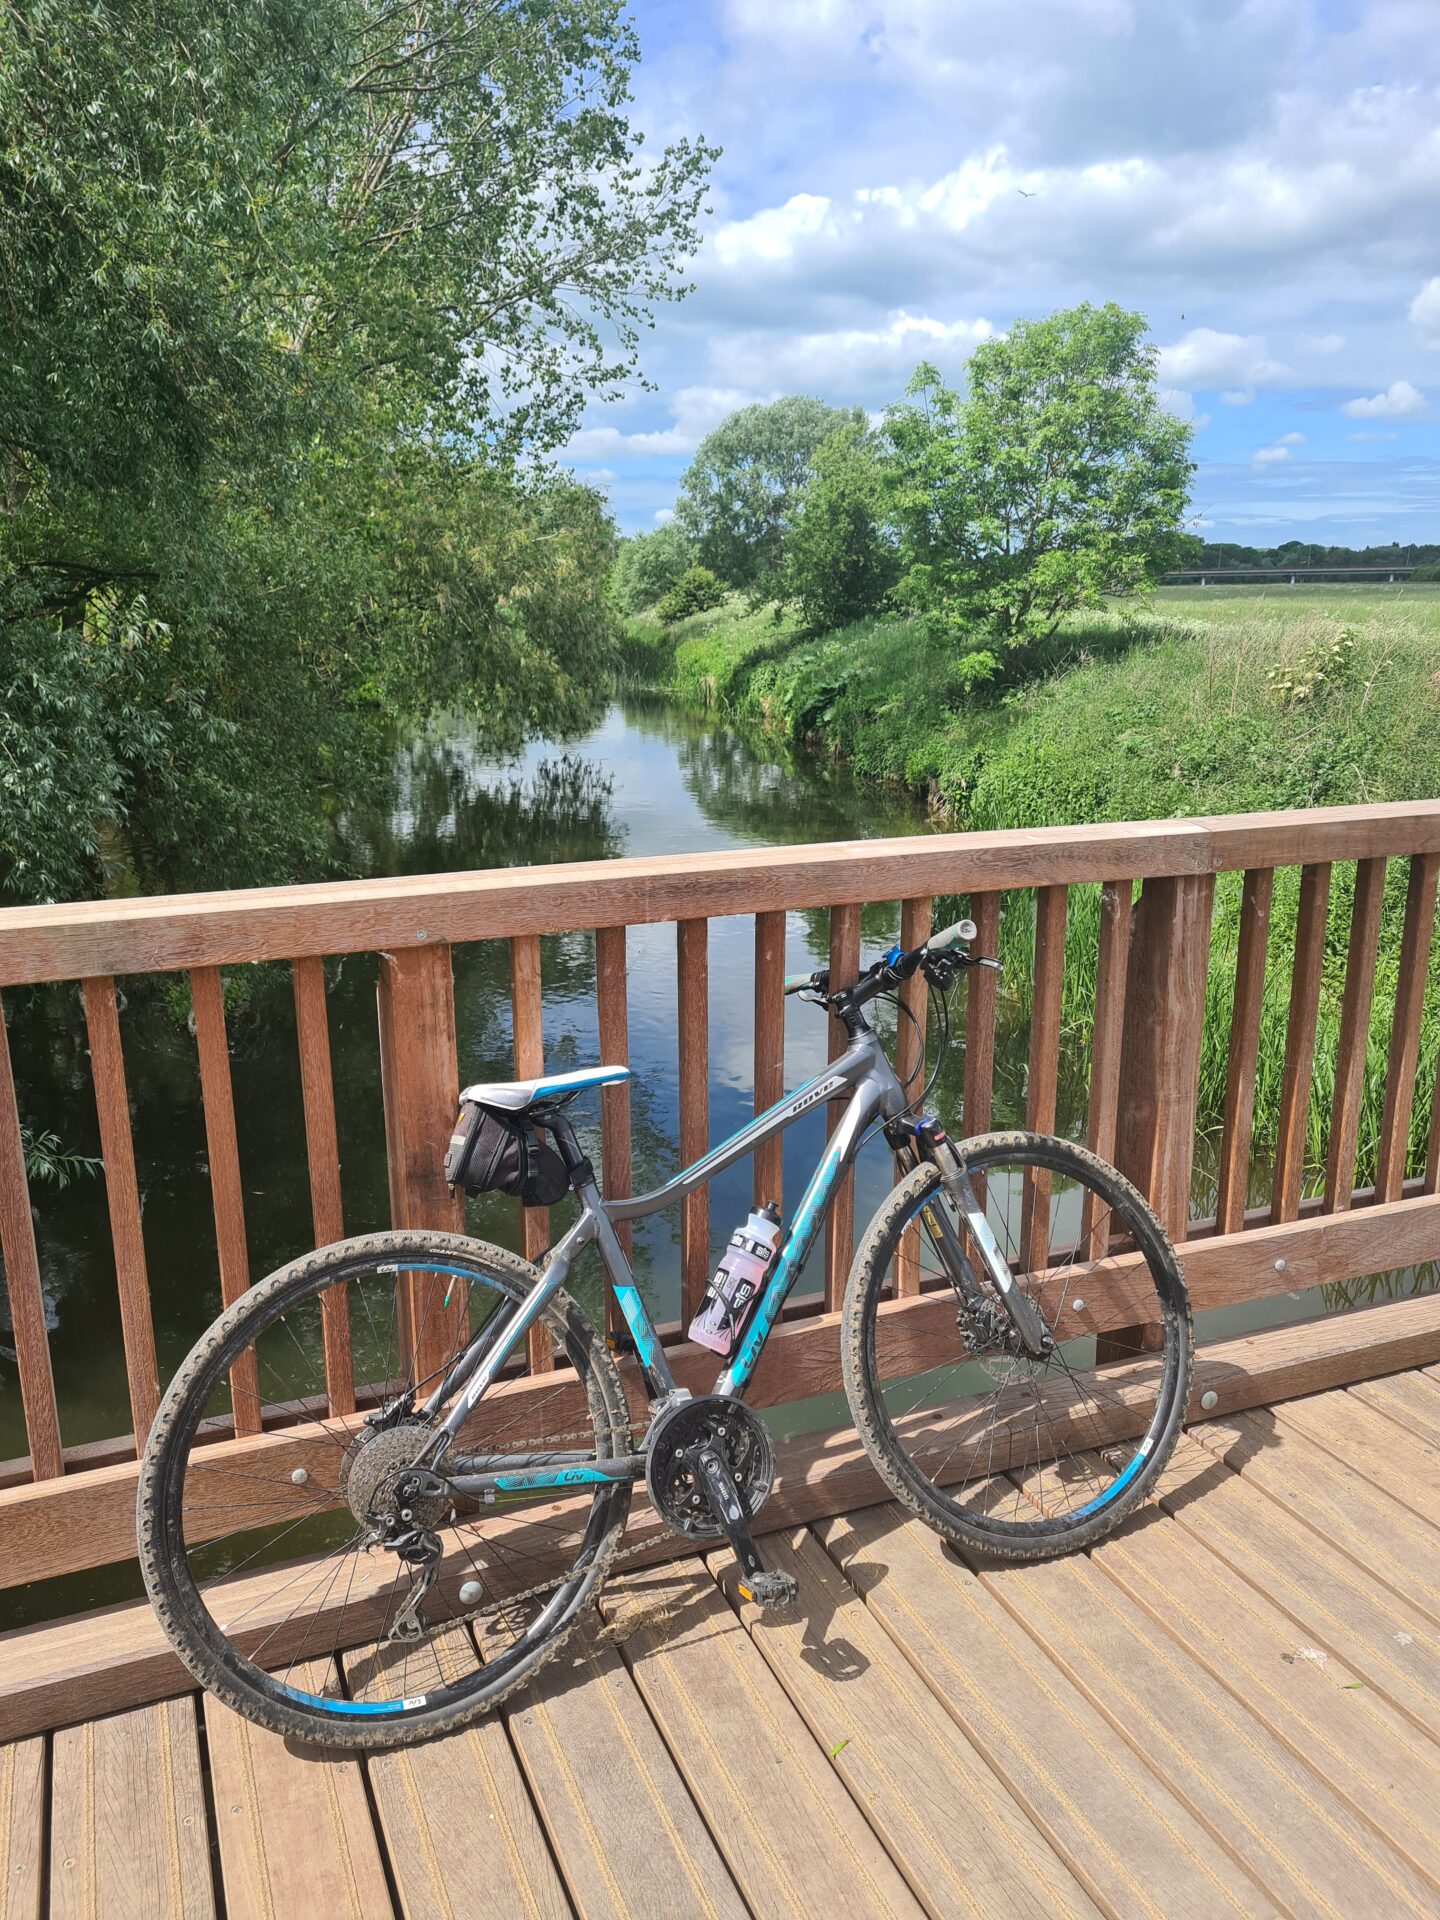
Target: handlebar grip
[796, 982]
[960, 934]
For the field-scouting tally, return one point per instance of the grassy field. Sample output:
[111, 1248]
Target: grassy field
[1207, 700]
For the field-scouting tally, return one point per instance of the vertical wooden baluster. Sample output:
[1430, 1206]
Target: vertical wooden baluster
[223, 1152]
[1354, 1035]
[1405, 1033]
[419, 1073]
[1234, 1187]
[1300, 1042]
[692, 943]
[978, 1091]
[769, 1050]
[1160, 1063]
[1104, 1098]
[122, 1197]
[525, 997]
[22, 1281]
[322, 1153]
[840, 1227]
[1044, 1070]
[915, 923]
[613, 1020]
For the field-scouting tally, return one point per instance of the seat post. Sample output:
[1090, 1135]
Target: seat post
[571, 1152]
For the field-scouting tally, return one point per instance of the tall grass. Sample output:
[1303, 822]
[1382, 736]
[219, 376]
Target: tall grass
[1210, 701]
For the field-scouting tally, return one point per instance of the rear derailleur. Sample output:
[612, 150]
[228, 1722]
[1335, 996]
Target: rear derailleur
[416, 1492]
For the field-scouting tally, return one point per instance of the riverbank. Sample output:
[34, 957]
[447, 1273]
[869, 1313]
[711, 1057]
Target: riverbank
[1208, 701]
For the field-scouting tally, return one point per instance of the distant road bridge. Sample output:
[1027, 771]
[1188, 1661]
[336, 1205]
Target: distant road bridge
[1283, 576]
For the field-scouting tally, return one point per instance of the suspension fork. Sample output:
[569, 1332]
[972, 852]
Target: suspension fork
[1025, 1316]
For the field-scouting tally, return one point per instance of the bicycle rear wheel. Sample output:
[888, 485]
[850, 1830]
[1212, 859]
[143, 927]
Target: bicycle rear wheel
[993, 1448]
[261, 1556]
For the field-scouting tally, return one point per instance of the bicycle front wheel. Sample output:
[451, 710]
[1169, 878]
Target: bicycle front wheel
[274, 1477]
[995, 1448]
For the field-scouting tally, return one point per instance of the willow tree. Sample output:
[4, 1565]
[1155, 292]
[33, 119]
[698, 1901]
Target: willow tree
[294, 301]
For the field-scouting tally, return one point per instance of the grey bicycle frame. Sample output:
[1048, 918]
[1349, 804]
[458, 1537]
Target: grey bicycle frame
[863, 1071]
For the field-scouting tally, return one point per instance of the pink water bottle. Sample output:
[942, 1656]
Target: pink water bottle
[736, 1283]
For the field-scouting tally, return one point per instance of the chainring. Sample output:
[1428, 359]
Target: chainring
[676, 1490]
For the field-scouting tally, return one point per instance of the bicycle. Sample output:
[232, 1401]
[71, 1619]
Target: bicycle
[452, 1528]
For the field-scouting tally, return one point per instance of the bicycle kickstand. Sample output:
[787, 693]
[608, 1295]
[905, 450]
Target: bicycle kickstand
[768, 1589]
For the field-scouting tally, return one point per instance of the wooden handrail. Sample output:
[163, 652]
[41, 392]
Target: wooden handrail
[1148, 1010]
[164, 934]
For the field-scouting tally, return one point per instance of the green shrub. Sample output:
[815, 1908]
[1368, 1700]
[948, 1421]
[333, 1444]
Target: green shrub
[648, 566]
[696, 591]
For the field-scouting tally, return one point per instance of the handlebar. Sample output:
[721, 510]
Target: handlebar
[937, 956]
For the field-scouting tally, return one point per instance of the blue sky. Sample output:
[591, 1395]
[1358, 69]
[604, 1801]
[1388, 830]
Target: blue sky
[902, 178]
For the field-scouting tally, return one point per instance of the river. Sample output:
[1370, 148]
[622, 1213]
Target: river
[648, 779]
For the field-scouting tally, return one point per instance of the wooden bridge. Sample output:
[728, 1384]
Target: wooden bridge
[1233, 1705]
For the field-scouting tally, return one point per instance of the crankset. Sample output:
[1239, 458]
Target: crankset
[673, 1478]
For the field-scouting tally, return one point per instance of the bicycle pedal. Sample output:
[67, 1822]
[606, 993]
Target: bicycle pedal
[771, 1589]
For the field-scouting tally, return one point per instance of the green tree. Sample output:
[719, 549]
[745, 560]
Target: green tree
[1057, 481]
[295, 303]
[738, 495]
[647, 566]
[696, 591]
[840, 559]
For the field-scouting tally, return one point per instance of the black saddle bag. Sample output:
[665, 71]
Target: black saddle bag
[494, 1152]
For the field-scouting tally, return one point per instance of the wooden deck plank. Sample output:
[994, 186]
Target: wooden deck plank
[949, 1825]
[1208, 1749]
[626, 1833]
[22, 1828]
[1128, 1840]
[1404, 1466]
[1409, 1399]
[1355, 1517]
[294, 1824]
[1337, 1608]
[460, 1830]
[1385, 1769]
[127, 1820]
[793, 1838]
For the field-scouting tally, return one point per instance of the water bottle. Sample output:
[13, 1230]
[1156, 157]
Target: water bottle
[737, 1282]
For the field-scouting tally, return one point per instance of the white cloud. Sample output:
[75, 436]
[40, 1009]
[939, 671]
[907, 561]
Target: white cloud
[1291, 440]
[663, 516]
[1182, 405]
[1425, 312]
[1237, 363]
[693, 411]
[1270, 456]
[853, 363]
[1326, 343]
[774, 233]
[1399, 401]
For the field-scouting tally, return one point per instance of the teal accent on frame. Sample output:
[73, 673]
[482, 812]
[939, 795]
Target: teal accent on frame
[549, 1477]
[638, 1321]
[797, 1243]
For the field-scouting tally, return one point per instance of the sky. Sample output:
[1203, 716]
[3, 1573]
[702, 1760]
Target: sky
[904, 178]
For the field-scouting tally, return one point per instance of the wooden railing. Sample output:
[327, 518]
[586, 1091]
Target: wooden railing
[64, 1508]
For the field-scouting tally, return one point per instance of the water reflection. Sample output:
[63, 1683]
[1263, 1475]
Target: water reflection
[645, 780]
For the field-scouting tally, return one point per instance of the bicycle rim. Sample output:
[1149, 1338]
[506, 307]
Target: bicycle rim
[266, 1568]
[991, 1445]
